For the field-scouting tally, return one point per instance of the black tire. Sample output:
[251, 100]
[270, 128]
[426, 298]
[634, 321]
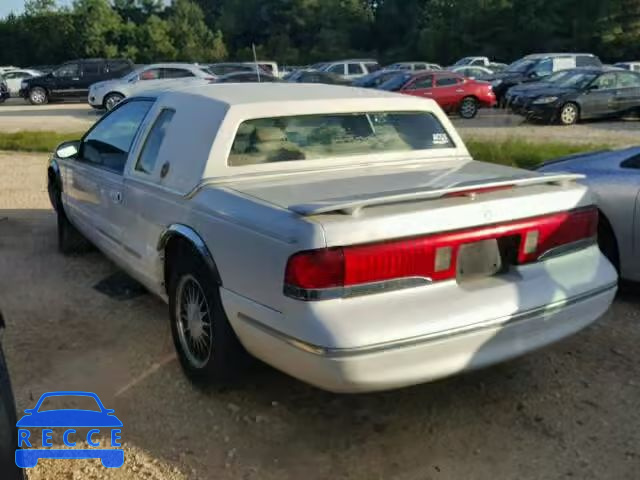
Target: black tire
[70, 240]
[226, 361]
[569, 114]
[8, 430]
[111, 100]
[607, 242]
[468, 108]
[38, 96]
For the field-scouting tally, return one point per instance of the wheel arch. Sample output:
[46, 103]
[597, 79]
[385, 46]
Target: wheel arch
[54, 178]
[177, 236]
[113, 92]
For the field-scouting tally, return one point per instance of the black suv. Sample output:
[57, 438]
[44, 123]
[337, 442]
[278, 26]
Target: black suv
[72, 80]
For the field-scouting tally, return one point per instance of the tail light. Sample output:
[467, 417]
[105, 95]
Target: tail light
[353, 270]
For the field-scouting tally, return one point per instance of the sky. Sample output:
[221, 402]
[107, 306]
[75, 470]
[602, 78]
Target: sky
[17, 6]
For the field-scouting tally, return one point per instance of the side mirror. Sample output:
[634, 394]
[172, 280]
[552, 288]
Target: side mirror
[593, 87]
[68, 149]
[133, 80]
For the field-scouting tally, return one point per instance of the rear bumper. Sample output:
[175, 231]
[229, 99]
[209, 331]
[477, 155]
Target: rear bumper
[416, 360]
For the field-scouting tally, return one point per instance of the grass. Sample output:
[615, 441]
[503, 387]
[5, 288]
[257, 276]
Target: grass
[34, 141]
[524, 153]
[512, 152]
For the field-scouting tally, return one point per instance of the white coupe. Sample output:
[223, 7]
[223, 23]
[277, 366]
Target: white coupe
[344, 236]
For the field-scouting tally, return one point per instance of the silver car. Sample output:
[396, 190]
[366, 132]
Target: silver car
[342, 235]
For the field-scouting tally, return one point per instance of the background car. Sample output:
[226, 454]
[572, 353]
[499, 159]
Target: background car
[537, 66]
[220, 69]
[7, 68]
[246, 77]
[111, 92]
[375, 79]
[584, 94]
[633, 66]
[451, 91]
[474, 73]
[4, 90]
[350, 69]
[14, 79]
[8, 430]
[413, 66]
[614, 179]
[311, 76]
[71, 80]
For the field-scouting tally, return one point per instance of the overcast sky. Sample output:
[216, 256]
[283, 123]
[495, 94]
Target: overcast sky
[17, 6]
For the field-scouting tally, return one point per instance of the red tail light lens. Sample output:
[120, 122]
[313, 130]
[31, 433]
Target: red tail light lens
[431, 258]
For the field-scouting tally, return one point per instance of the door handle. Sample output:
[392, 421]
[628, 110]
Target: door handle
[459, 91]
[115, 196]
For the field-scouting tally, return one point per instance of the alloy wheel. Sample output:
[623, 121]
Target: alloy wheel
[193, 317]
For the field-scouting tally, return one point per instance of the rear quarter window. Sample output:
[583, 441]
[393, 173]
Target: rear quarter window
[149, 155]
[313, 137]
[587, 61]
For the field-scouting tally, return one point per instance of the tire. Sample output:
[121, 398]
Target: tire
[569, 114]
[8, 431]
[70, 240]
[38, 96]
[219, 359]
[468, 108]
[608, 243]
[111, 100]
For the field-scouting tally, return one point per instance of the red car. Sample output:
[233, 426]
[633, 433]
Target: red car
[453, 92]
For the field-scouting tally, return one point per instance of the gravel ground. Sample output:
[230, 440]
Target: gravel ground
[571, 411]
[16, 115]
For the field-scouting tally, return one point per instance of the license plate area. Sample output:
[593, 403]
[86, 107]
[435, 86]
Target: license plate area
[478, 260]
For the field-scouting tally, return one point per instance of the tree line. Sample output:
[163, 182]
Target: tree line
[305, 31]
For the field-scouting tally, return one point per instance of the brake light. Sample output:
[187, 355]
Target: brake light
[429, 258]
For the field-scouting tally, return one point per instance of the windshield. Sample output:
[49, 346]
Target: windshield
[463, 61]
[396, 82]
[521, 66]
[312, 137]
[576, 80]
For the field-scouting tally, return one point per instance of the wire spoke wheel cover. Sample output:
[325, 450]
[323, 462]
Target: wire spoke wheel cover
[468, 108]
[193, 322]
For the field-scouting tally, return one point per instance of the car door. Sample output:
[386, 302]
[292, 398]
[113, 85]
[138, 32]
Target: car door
[92, 71]
[14, 79]
[338, 69]
[65, 80]
[598, 99]
[421, 86]
[448, 91]
[93, 179]
[627, 97]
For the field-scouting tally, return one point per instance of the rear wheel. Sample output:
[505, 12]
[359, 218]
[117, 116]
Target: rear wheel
[207, 346]
[38, 96]
[569, 114]
[469, 108]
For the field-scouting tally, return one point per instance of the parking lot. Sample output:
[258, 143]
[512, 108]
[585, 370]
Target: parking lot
[569, 411]
[17, 115]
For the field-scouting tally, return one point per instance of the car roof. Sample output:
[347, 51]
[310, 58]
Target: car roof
[537, 56]
[173, 65]
[254, 94]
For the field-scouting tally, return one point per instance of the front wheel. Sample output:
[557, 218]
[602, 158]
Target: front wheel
[469, 108]
[38, 96]
[207, 346]
[569, 114]
[112, 100]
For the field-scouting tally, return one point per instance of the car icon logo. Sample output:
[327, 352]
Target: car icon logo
[98, 421]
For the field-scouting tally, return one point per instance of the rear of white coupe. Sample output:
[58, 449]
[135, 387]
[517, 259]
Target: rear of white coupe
[401, 260]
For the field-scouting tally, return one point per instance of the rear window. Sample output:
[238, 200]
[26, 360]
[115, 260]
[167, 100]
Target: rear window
[587, 61]
[313, 137]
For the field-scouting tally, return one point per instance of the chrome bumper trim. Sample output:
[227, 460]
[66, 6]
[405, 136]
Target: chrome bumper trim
[431, 337]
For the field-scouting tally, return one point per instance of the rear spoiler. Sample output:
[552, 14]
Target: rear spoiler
[353, 204]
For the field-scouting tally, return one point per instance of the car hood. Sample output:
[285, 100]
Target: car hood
[550, 90]
[105, 84]
[338, 186]
[525, 88]
[505, 76]
[603, 160]
[69, 418]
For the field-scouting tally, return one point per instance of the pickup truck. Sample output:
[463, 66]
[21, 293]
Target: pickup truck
[344, 236]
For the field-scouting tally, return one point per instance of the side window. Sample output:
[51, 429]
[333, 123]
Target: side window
[151, 74]
[168, 73]
[108, 144]
[354, 69]
[606, 81]
[373, 67]
[626, 80]
[92, 69]
[544, 68]
[420, 83]
[68, 70]
[587, 61]
[149, 155]
[633, 162]
[477, 62]
[338, 68]
[447, 81]
[12, 75]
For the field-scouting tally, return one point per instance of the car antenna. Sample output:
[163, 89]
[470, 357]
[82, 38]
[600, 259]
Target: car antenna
[255, 61]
